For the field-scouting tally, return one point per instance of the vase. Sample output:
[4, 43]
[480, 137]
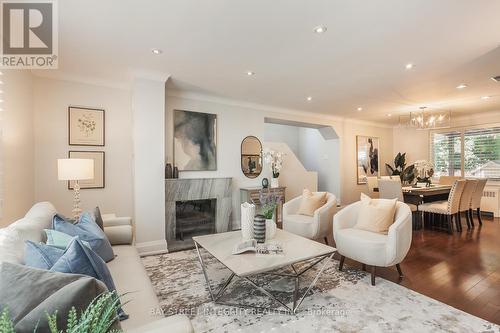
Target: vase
[275, 182]
[175, 173]
[270, 229]
[247, 216]
[259, 228]
[168, 171]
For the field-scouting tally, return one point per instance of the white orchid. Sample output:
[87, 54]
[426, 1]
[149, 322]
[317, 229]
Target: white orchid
[275, 160]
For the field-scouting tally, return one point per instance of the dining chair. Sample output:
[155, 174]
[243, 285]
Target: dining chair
[372, 183]
[475, 203]
[465, 201]
[448, 180]
[392, 189]
[446, 208]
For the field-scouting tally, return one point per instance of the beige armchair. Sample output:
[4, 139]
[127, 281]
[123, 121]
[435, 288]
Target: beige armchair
[315, 227]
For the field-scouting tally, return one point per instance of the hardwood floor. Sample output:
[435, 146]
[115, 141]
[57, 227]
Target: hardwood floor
[462, 270]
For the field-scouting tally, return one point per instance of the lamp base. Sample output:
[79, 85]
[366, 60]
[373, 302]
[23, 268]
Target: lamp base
[76, 201]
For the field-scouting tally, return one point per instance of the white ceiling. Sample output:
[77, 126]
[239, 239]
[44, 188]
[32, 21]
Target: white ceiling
[208, 46]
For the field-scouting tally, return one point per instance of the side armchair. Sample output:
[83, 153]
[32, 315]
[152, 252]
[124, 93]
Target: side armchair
[318, 226]
[369, 248]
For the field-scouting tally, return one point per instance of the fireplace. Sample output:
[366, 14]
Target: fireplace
[194, 207]
[194, 218]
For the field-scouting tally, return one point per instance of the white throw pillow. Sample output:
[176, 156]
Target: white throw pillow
[11, 246]
[376, 215]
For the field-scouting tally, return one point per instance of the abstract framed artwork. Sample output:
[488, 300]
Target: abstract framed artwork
[195, 141]
[86, 126]
[99, 169]
[367, 155]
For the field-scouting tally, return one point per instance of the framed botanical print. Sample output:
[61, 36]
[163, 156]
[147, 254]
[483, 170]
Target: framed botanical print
[195, 141]
[86, 126]
[99, 169]
[367, 155]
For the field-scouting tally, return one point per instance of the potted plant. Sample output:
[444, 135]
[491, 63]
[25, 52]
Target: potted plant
[406, 173]
[275, 160]
[268, 204]
[99, 317]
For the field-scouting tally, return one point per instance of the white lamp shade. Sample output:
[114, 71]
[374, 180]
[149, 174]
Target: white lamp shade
[75, 169]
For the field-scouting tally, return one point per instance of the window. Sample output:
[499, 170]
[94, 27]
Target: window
[482, 152]
[473, 152]
[446, 153]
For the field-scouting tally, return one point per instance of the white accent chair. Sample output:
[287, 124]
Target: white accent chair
[315, 227]
[369, 248]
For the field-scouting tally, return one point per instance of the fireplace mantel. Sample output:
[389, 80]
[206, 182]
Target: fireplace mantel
[184, 189]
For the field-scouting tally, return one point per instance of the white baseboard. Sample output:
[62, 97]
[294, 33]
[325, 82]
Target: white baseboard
[150, 248]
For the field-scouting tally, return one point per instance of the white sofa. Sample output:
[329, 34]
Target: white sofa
[374, 249]
[316, 227]
[127, 270]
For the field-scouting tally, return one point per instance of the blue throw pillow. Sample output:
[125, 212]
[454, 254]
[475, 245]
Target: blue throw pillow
[39, 255]
[79, 259]
[86, 229]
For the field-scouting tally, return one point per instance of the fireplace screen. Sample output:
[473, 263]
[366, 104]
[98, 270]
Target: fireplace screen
[194, 218]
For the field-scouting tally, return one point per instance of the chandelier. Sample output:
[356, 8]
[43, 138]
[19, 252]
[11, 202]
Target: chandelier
[425, 119]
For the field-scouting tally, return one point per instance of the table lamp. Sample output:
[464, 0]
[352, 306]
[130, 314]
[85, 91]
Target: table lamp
[75, 169]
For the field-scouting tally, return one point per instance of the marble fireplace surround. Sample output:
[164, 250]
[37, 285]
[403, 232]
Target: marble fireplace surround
[184, 189]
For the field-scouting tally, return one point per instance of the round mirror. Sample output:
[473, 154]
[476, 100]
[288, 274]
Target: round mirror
[251, 157]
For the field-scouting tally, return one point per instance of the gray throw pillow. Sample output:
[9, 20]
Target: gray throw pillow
[98, 218]
[79, 259]
[30, 293]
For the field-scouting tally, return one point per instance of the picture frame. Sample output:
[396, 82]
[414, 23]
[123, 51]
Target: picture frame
[367, 158]
[99, 180]
[195, 141]
[86, 126]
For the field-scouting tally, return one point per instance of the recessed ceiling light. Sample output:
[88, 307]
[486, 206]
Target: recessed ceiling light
[309, 98]
[485, 97]
[156, 51]
[360, 109]
[250, 73]
[389, 115]
[462, 86]
[409, 66]
[320, 29]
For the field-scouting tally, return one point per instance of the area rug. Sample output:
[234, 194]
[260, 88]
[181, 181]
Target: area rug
[340, 301]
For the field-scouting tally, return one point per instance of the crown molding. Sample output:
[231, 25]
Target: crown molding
[61, 76]
[266, 108]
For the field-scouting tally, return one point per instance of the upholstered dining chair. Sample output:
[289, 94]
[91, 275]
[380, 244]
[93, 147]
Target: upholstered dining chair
[372, 183]
[475, 203]
[392, 189]
[446, 208]
[315, 227]
[370, 248]
[448, 180]
[465, 201]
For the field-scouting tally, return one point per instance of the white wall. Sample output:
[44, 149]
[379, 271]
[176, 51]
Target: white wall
[17, 144]
[283, 133]
[322, 156]
[51, 99]
[149, 164]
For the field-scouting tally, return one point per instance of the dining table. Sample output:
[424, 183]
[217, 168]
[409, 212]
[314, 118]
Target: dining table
[419, 195]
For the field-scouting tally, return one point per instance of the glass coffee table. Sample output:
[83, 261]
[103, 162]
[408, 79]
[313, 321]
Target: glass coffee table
[297, 250]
